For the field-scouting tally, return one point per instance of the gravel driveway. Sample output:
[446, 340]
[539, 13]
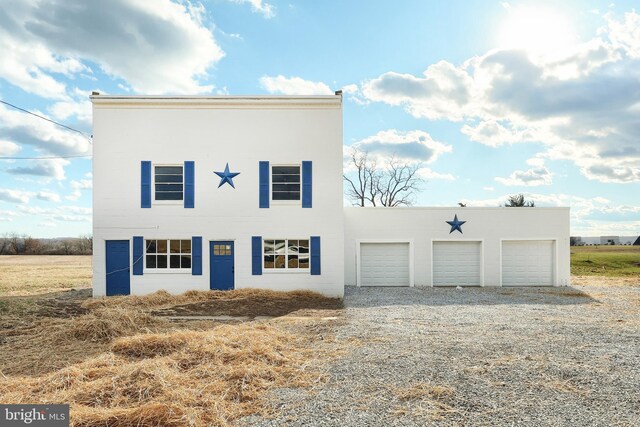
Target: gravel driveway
[501, 356]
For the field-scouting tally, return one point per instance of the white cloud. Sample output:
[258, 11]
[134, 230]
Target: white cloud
[49, 168]
[156, 47]
[258, 6]
[430, 175]
[15, 196]
[48, 196]
[24, 129]
[8, 148]
[529, 178]
[414, 146]
[294, 86]
[583, 107]
[78, 186]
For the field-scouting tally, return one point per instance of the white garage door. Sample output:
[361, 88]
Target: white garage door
[457, 264]
[384, 264]
[527, 263]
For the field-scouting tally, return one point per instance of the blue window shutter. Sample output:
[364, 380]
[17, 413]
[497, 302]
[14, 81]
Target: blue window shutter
[196, 256]
[138, 255]
[189, 184]
[264, 184]
[145, 179]
[306, 184]
[256, 255]
[315, 255]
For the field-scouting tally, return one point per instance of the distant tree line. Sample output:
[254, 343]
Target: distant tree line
[22, 244]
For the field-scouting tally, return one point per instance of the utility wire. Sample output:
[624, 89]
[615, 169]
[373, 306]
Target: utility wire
[45, 157]
[49, 120]
[54, 122]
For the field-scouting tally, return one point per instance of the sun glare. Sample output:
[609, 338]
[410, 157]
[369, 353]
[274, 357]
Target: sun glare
[537, 30]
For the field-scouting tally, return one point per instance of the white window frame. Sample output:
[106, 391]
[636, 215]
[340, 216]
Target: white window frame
[284, 202]
[153, 186]
[168, 270]
[286, 269]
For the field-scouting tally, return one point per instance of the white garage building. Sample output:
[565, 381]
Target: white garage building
[232, 192]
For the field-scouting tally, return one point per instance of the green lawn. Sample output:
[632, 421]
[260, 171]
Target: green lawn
[609, 261]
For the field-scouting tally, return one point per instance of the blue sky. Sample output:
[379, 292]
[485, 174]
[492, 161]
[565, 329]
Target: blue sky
[491, 98]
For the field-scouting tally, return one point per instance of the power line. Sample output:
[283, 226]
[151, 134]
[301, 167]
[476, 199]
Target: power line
[49, 120]
[45, 157]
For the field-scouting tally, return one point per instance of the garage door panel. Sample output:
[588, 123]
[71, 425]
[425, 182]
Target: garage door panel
[457, 263]
[384, 264]
[527, 263]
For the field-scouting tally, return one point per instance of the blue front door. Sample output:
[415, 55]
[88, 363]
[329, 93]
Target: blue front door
[117, 261]
[222, 270]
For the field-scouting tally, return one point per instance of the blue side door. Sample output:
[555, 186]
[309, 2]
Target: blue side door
[117, 260]
[222, 268]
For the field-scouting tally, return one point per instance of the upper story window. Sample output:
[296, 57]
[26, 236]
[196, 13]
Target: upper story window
[169, 182]
[285, 183]
[163, 254]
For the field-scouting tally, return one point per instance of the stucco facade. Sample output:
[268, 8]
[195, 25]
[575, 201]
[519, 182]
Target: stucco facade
[197, 193]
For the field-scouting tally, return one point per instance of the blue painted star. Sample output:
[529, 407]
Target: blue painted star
[226, 176]
[455, 224]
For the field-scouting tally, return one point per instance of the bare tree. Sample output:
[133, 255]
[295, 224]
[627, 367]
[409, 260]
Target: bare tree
[391, 186]
[84, 244]
[518, 201]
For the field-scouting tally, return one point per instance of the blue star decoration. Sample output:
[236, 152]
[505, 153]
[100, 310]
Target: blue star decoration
[226, 176]
[455, 224]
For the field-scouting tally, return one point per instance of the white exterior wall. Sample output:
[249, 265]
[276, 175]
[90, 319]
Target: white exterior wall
[421, 226]
[213, 131]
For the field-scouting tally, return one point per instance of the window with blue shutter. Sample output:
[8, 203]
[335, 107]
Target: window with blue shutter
[315, 255]
[264, 184]
[145, 180]
[307, 186]
[189, 184]
[256, 255]
[196, 256]
[138, 255]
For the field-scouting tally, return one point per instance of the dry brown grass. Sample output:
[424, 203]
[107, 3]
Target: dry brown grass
[174, 379]
[434, 400]
[118, 364]
[37, 274]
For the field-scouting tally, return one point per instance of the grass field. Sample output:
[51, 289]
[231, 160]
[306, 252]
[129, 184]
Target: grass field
[36, 274]
[608, 261]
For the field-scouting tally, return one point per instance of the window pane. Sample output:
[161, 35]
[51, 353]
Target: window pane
[280, 170]
[268, 261]
[174, 261]
[279, 247]
[162, 246]
[293, 261]
[228, 250]
[172, 170]
[186, 246]
[283, 179]
[269, 246]
[303, 262]
[151, 246]
[168, 178]
[164, 195]
[294, 195]
[293, 246]
[185, 261]
[303, 246]
[174, 246]
[151, 261]
[162, 188]
[280, 260]
[286, 187]
[162, 261]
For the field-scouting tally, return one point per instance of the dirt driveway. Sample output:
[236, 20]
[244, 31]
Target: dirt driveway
[536, 356]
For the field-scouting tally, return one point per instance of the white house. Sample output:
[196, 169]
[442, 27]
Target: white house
[231, 192]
